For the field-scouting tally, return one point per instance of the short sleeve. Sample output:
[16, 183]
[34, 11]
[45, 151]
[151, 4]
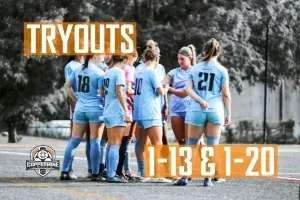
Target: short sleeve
[68, 71]
[163, 71]
[172, 73]
[225, 77]
[190, 75]
[71, 79]
[156, 83]
[129, 74]
[120, 78]
[101, 82]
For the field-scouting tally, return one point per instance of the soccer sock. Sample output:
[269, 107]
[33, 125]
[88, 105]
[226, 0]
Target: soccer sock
[113, 157]
[95, 155]
[191, 141]
[137, 149]
[69, 153]
[141, 167]
[102, 146]
[122, 152]
[127, 156]
[88, 154]
[212, 140]
[106, 157]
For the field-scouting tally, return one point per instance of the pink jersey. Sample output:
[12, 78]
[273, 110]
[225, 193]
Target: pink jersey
[129, 76]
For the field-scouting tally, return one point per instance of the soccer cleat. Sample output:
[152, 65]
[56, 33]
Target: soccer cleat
[116, 179]
[181, 182]
[219, 180]
[95, 177]
[131, 176]
[64, 176]
[207, 182]
[89, 174]
[72, 175]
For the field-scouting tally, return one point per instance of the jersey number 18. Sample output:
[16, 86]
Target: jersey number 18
[83, 84]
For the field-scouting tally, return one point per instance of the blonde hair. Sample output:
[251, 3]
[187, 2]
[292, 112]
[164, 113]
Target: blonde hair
[189, 51]
[211, 49]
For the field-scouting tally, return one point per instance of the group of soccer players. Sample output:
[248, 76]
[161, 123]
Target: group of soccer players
[111, 100]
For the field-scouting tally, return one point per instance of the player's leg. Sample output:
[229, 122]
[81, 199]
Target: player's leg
[103, 153]
[79, 127]
[128, 172]
[178, 127]
[88, 151]
[122, 152]
[96, 131]
[115, 135]
[213, 133]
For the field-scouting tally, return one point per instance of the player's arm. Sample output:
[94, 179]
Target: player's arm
[226, 97]
[101, 92]
[194, 95]
[129, 88]
[178, 92]
[120, 95]
[70, 92]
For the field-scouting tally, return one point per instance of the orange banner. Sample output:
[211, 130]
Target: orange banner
[72, 38]
[236, 161]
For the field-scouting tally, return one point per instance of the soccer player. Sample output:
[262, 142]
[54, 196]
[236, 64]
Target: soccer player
[88, 111]
[180, 100]
[74, 63]
[147, 101]
[208, 87]
[115, 113]
[124, 159]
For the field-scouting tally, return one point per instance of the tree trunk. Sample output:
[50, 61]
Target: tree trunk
[12, 131]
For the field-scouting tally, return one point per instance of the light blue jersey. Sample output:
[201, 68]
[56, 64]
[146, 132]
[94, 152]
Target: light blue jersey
[179, 77]
[102, 66]
[161, 73]
[147, 102]
[88, 81]
[113, 77]
[69, 68]
[208, 79]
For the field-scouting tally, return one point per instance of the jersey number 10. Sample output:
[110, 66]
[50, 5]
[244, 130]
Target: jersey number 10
[138, 86]
[205, 79]
[83, 84]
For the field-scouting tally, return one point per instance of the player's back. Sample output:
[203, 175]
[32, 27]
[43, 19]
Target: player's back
[88, 81]
[113, 77]
[208, 78]
[147, 104]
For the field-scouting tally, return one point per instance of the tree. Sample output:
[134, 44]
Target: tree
[24, 80]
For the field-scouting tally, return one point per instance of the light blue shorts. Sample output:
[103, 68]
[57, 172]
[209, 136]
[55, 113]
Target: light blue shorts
[178, 114]
[87, 117]
[144, 124]
[199, 118]
[111, 122]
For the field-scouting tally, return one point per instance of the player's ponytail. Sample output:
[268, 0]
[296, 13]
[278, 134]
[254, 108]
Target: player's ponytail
[211, 49]
[86, 62]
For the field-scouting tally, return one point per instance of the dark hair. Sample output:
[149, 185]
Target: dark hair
[211, 49]
[71, 58]
[152, 51]
[117, 58]
[86, 61]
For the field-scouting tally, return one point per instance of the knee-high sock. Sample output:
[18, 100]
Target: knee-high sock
[69, 153]
[113, 158]
[95, 155]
